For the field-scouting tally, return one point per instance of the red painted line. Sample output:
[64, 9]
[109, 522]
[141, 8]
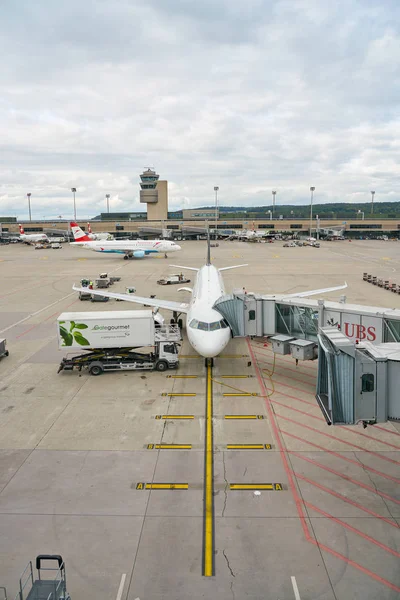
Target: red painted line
[289, 369]
[346, 477]
[386, 430]
[291, 387]
[350, 460]
[352, 563]
[37, 324]
[353, 529]
[293, 398]
[347, 500]
[302, 412]
[333, 437]
[283, 454]
[366, 435]
[292, 485]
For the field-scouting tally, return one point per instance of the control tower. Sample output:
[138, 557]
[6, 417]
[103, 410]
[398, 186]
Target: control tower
[154, 193]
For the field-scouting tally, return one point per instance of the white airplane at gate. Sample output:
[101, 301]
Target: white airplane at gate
[129, 248]
[207, 330]
[98, 236]
[31, 238]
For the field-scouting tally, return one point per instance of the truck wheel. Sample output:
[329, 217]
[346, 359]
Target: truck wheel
[6, 353]
[168, 283]
[95, 370]
[126, 257]
[162, 365]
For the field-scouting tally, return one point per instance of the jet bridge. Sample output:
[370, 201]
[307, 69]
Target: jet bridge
[358, 349]
[357, 382]
[262, 315]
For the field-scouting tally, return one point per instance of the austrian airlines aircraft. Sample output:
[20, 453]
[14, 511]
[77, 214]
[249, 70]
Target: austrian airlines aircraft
[129, 248]
[31, 238]
[208, 332]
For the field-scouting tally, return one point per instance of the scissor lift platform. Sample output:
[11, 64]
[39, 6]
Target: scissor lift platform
[40, 588]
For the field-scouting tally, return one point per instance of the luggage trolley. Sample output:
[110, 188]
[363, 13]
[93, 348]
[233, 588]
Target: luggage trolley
[44, 589]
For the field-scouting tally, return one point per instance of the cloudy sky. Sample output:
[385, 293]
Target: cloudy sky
[248, 95]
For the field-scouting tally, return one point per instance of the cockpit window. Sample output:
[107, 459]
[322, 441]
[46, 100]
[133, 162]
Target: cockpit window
[203, 326]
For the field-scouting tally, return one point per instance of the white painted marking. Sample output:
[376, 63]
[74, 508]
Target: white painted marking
[257, 493]
[36, 313]
[121, 587]
[295, 588]
[46, 307]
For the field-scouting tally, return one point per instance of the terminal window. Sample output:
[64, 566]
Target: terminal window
[296, 226]
[264, 226]
[367, 226]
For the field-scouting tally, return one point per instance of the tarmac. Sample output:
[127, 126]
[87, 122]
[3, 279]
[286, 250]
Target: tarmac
[300, 510]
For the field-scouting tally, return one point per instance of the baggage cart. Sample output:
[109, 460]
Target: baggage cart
[41, 588]
[102, 283]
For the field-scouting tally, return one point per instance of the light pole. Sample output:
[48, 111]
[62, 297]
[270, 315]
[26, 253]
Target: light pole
[361, 212]
[108, 202]
[273, 201]
[312, 189]
[73, 190]
[216, 188]
[29, 205]
[372, 202]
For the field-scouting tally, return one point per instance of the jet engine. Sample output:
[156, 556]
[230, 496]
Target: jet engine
[139, 253]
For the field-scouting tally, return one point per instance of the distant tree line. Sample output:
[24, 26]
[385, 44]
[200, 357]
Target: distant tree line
[336, 210]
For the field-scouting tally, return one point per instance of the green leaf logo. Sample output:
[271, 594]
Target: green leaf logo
[82, 341]
[81, 326]
[66, 336]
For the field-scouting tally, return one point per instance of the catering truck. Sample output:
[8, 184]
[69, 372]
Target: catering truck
[111, 341]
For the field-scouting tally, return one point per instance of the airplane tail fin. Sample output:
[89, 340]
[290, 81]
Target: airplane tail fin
[79, 235]
[208, 247]
[21, 229]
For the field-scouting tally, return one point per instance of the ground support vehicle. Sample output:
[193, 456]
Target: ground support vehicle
[3, 350]
[102, 283]
[40, 588]
[116, 341]
[164, 357]
[173, 279]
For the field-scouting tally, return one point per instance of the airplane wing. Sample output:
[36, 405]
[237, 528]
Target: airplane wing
[182, 267]
[181, 307]
[233, 267]
[315, 292]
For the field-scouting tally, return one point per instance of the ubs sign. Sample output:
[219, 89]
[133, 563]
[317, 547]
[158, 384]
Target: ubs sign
[356, 326]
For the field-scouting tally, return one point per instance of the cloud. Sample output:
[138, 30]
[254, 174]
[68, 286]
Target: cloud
[249, 96]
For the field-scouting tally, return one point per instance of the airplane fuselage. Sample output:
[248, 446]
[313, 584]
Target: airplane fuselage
[136, 248]
[33, 238]
[207, 331]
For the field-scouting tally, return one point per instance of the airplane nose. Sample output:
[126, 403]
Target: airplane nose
[210, 344]
[177, 247]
